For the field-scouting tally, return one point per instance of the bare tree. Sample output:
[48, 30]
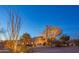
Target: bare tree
[2, 32]
[13, 27]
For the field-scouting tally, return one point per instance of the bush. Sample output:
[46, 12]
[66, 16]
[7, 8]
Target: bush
[23, 49]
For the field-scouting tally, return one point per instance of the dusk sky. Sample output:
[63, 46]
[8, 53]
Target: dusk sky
[35, 18]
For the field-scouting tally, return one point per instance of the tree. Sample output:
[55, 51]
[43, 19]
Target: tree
[64, 39]
[26, 39]
[13, 27]
[51, 33]
[26, 36]
[2, 32]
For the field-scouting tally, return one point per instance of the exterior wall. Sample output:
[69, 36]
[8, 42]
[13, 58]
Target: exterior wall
[39, 41]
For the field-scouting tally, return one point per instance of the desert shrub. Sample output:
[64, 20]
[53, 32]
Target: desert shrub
[22, 49]
[19, 48]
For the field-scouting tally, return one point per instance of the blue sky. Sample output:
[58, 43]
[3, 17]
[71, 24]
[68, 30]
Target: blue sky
[35, 18]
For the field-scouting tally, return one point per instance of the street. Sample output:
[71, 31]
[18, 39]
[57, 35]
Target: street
[56, 50]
